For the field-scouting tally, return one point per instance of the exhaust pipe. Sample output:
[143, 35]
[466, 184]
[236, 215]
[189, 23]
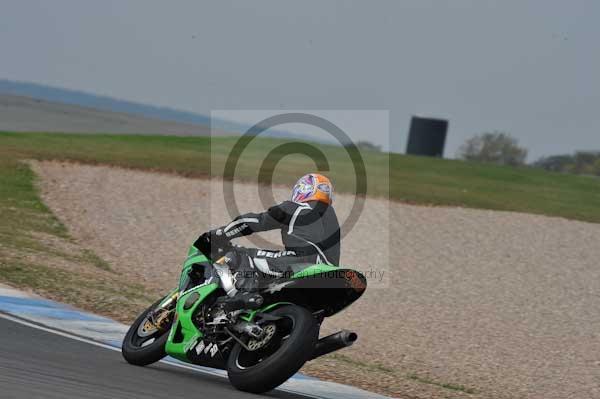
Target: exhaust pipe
[334, 342]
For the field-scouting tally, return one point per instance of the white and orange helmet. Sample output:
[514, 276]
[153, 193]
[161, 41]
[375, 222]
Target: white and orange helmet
[313, 187]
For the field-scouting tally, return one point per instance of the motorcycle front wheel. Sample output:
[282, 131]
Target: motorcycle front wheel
[144, 342]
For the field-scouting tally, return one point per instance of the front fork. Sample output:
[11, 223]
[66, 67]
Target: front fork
[161, 314]
[169, 300]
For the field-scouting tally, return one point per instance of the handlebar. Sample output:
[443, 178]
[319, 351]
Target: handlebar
[212, 245]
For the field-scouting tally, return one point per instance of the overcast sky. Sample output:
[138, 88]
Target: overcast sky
[530, 68]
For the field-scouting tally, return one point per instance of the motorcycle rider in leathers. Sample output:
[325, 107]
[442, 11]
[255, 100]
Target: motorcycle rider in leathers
[310, 233]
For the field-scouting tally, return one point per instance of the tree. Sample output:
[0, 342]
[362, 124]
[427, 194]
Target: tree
[555, 163]
[494, 147]
[581, 163]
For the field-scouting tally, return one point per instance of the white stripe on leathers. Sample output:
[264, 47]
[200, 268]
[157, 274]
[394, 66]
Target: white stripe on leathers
[300, 208]
[239, 221]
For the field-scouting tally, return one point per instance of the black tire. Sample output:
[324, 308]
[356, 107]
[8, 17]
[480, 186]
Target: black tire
[284, 361]
[144, 355]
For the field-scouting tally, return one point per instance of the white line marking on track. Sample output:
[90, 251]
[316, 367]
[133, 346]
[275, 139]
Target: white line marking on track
[105, 346]
[50, 330]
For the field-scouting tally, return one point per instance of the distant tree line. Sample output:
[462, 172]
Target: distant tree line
[367, 145]
[500, 148]
[581, 163]
[503, 149]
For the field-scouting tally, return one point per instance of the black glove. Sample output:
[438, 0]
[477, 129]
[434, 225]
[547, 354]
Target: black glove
[218, 238]
[213, 244]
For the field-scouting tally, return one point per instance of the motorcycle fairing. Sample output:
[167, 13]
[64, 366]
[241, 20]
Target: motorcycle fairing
[317, 287]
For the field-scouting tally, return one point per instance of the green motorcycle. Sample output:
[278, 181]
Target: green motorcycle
[260, 348]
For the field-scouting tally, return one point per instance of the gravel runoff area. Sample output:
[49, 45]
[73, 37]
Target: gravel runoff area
[472, 303]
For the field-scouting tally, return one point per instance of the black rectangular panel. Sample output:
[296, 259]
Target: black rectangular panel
[427, 136]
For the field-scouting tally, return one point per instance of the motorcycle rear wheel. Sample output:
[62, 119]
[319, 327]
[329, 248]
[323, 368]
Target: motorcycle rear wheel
[291, 346]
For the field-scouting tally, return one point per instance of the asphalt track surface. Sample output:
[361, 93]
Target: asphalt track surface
[39, 364]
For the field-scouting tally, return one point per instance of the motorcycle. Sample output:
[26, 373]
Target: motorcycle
[260, 348]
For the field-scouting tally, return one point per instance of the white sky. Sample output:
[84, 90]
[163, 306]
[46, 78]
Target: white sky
[526, 67]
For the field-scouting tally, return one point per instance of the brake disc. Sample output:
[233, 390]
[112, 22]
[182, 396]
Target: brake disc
[269, 332]
[146, 328]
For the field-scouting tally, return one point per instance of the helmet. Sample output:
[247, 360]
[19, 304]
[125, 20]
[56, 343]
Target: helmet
[313, 187]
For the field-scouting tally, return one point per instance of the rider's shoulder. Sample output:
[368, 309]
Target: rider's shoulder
[289, 206]
[294, 205]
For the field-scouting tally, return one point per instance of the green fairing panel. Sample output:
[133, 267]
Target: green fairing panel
[192, 251]
[250, 315]
[184, 333]
[187, 333]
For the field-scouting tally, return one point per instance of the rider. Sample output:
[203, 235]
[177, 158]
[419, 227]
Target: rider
[310, 233]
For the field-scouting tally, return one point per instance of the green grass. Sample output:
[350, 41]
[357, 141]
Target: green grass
[90, 257]
[21, 210]
[112, 298]
[29, 234]
[410, 179]
[453, 387]
[357, 363]
[412, 376]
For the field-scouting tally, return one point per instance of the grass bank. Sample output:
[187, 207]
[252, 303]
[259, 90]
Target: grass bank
[416, 180]
[37, 253]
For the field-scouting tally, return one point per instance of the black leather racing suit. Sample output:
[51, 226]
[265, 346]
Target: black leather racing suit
[310, 233]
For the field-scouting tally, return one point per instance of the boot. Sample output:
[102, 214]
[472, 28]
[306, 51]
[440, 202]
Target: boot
[244, 292]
